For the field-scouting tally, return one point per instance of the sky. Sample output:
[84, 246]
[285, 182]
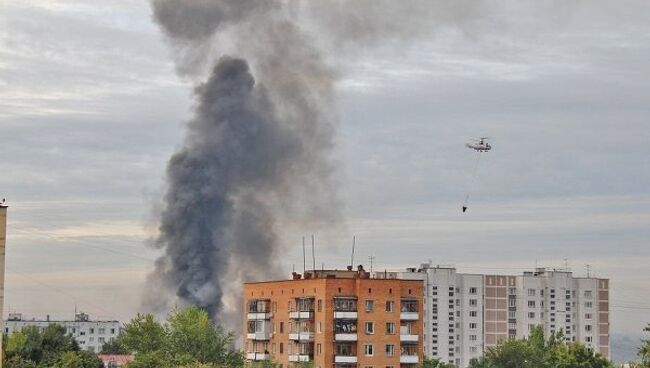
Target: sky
[91, 109]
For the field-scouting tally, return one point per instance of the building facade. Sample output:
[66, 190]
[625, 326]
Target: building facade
[3, 240]
[90, 335]
[465, 314]
[340, 319]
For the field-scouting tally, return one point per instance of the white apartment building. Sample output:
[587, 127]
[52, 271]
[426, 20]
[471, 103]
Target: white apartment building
[90, 335]
[465, 314]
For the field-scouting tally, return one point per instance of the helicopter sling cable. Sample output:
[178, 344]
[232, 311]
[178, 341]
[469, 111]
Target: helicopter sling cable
[480, 146]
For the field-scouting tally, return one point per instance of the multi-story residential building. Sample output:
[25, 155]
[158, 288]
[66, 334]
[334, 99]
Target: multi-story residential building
[340, 319]
[3, 240]
[465, 314]
[90, 335]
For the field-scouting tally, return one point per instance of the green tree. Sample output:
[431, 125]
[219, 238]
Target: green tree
[113, 347]
[187, 337]
[539, 352]
[576, 355]
[435, 363]
[18, 361]
[143, 335]
[479, 363]
[644, 350]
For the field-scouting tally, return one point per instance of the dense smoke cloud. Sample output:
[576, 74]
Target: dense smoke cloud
[257, 153]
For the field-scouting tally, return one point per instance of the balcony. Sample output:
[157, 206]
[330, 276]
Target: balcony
[345, 337]
[345, 315]
[259, 309]
[345, 308]
[302, 314]
[345, 359]
[409, 316]
[301, 336]
[299, 358]
[259, 316]
[261, 335]
[409, 310]
[257, 356]
[408, 338]
[409, 359]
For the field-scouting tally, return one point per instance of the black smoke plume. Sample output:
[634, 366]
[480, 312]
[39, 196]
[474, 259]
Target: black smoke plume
[257, 154]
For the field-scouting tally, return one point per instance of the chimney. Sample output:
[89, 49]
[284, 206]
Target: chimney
[296, 275]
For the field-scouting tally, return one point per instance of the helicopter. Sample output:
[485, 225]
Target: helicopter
[479, 144]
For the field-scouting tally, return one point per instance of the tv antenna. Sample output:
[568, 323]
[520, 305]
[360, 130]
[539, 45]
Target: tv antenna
[354, 238]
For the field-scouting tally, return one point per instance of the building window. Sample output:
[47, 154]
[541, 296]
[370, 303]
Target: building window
[390, 305]
[531, 292]
[587, 315]
[472, 325]
[368, 349]
[319, 349]
[390, 328]
[281, 348]
[390, 350]
[473, 302]
[472, 337]
[92, 330]
[472, 290]
[588, 294]
[531, 314]
[589, 305]
[531, 304]
[587, 328]
[281, 327]
[473, 313]
[320, 327]
[370, 328]
[320, 305]
[370, 305]
[102, 330]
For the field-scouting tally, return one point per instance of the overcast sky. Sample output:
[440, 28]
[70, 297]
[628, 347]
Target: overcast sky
[91, 109]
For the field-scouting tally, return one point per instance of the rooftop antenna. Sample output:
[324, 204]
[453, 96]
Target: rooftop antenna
[304, 257]
[566, 265]
[313, 253]
[588, 266]
[371, 259]
[354, 238]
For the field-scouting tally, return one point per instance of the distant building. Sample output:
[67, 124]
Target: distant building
[465, 314]
[340, 319]
[90, 335]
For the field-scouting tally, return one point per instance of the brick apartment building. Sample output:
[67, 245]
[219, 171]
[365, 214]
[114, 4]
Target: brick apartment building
[335, 318]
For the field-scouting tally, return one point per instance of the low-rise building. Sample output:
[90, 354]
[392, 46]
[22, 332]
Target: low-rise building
[90, 335]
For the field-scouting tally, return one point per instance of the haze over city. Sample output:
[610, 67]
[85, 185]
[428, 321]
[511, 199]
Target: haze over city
[92, 109]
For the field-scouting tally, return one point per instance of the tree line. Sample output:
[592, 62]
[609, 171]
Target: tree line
[189, 339]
